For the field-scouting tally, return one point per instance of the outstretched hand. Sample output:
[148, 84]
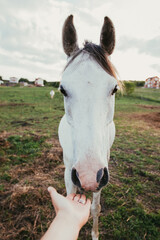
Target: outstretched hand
[74, 207]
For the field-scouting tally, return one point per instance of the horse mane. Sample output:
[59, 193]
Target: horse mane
[98, 54]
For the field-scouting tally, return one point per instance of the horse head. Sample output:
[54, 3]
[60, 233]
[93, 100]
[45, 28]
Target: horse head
[88, 85]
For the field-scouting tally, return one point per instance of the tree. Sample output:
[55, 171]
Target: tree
[24, 80]
[45, 83]
[129, 87]
[1, 78]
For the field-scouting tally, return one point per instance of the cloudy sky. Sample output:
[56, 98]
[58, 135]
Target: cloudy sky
[30, 35]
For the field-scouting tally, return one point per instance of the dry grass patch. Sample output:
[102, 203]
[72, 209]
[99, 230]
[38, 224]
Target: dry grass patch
[26, 209]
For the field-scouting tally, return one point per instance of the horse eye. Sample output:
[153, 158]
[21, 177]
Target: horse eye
[115, 89]
[63, 91]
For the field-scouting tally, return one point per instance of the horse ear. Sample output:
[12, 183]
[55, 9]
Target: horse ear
[107, 38]
[69, 36]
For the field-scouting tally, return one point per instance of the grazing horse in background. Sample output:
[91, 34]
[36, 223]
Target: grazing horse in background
[87, 130]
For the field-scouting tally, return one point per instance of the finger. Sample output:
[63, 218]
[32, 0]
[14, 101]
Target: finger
[88, 203]
[83, 197]
[71, 196]
[77, 197]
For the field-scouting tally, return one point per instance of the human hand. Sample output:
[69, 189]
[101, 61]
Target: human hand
[75, 207]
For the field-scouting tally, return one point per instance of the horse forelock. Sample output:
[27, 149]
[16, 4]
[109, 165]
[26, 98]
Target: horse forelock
[98, 54]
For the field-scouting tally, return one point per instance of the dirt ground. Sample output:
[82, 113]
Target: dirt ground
[24, 203]
[152, 119]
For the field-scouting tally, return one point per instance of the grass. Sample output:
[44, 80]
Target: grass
[31, 160]
[30, 109]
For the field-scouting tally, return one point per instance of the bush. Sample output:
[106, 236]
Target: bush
[129, 87]
[52, 84]
[56, 84]
[139, 83]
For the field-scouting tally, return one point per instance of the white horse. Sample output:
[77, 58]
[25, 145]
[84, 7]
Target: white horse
[87, 130]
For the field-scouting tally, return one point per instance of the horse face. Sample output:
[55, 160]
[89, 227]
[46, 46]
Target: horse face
[89, 109]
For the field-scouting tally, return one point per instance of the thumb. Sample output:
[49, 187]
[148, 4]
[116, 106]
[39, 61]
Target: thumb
[55, 197]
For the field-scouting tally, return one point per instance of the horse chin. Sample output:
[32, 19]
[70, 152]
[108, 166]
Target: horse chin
[84, 191]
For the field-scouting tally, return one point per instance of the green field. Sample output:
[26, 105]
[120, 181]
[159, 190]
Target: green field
[31, 160]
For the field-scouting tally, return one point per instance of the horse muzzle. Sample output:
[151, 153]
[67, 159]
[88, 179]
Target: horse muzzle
[87, 180]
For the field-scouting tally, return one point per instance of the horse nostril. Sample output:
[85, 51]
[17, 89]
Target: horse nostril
[75, 178]
[102, 177]
[99, 174]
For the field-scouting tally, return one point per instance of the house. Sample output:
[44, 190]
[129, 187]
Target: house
[39, 82]
[152, 82]
[13, 80]
[1, 82]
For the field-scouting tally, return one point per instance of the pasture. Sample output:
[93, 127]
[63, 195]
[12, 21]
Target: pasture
[31, 160]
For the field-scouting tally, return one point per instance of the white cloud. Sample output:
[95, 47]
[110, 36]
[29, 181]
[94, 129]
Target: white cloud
[30, 35]
[150, 47]
[134, 66]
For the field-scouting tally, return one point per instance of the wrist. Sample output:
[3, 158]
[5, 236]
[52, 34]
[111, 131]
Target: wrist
[62, 227]
[68, 225]
[69, 219]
